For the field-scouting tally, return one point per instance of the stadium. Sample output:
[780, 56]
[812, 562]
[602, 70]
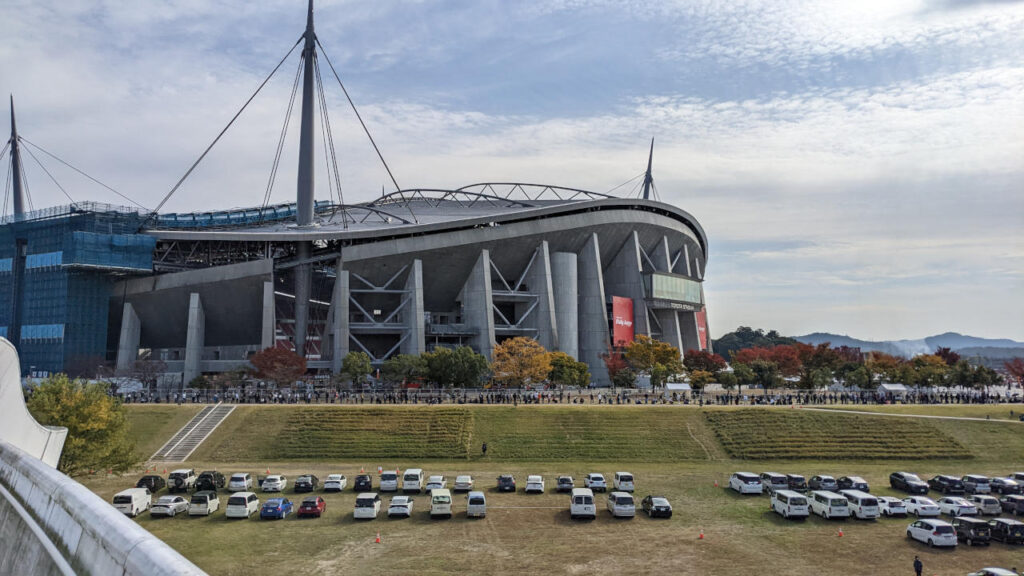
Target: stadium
[89, 284]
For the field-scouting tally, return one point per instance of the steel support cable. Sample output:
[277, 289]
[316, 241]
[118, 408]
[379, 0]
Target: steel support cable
[329, 132]
[280, 142]
[217, 139]
[4, 151]
[626, 182]
[365, 129]
[29, 150]
[323, 128]
[58, 159]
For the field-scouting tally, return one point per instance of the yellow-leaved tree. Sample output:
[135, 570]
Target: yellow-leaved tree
[519, 362]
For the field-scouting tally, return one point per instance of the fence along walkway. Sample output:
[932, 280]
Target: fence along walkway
[191, 435]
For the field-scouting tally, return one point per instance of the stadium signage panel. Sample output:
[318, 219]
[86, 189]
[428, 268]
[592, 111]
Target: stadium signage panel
[622, 320]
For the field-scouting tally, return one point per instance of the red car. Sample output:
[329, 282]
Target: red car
[313, 507]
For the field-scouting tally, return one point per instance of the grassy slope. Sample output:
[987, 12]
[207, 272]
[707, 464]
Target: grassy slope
[153, 424]
[994, 411]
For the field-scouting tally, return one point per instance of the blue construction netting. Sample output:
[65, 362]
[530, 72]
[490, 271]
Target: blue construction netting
[239, 217]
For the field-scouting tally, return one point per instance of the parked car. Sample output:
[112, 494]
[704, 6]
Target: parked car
[276, 508]
[274, 483]
[1007, 530]
[534, 484]
[565, 484]
[440, 503]
[853, 483]
[1017, 476]
[986, 504]
[773, 481]
[921, 506]
[306, 483]
[621, 505]
[862, 504]
[582, 504]
[363, 483]
[956, 506]
[1004, 486]
[972, 531]
[506, 483]
[476, 504]
[436, 483]
[169, 506]
[338, 482]
[822, 482]
[242, 505]
[892, 507]
[907, 482]
[463, 483]
[994, 572]
[400, 507]
[797, 483]
[181, 480]
[947, 484]
[210, 480]
[656, 507]
[932, 532]
[790, 504]
[133, 501]
[746, 483]
[240, 482]
[388, 481]
[829, 505]
[976, 484]
[312, 507]
[1014, 504]
[412, 480]
[623, 481]
[203, 503]
[367, 506]
[152, 483]
[595, 482]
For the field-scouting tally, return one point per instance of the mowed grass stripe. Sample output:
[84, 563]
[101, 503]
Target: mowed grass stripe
[759, 433]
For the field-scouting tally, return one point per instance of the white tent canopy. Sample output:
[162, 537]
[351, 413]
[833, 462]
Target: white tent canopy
[893, 388]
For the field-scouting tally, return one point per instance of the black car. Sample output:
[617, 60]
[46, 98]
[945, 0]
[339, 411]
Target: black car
[306, 483]
[656, 507]
[363, 483]
[947, 484]
[797, 483]
[210, 480]
[972, 531]
[1004, 486]
[822, 483]
[1007, 530]
[907, 482]
[506, 483]
[154, 483]
[1013, 504]
[853, 483]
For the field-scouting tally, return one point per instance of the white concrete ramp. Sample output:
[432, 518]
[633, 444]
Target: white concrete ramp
[17, 426]
[191, 435]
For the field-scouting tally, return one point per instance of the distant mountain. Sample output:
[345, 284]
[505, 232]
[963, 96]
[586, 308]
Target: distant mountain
[908, 348]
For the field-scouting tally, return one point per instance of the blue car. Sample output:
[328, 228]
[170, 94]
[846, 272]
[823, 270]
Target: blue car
[276, 508]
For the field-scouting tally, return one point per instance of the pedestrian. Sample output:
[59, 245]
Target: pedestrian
[484, 448]
[918, 567]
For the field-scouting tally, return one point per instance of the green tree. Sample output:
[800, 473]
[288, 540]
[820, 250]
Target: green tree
[356, 367]
[404, 367]
[744, 375]
[700, 378]
[520, 361]
[567, 371]
[98, 433]
[766, 374]
[728, 380]
[624, 378]
[859, 377]
[461, 367]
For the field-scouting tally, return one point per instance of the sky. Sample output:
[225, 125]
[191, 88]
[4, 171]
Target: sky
[858, 166]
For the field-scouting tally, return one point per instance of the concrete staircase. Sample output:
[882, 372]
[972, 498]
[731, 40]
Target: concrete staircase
[191, 435]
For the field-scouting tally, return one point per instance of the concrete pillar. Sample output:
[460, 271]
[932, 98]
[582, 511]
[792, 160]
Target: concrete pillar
[415, 342]
[540, 283]
[564, 284]
[195, 339]
[594, 339]
[624, 277]
[476, 299]
[303, 290]
[686, 259]
[688, 331]
[339, 318]
[669, 320]
[131, 332]
[268, 336]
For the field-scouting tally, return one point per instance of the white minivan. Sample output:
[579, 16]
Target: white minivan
[829, 504]
[790, 504]
[621, 505]
[581, 504]
[862, 505]
[367, 505]
[240, 482]
[389, 481]
[242, 505]
[203, 503]
[412, 481]
[624, 481]
[476, 504]
[133, 501]
[440, 503]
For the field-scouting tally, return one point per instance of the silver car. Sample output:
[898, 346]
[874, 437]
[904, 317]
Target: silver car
[169, 506]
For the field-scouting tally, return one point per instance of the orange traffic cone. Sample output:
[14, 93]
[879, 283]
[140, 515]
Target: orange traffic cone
[165, 470]
[716, 483]
[380, 469]
[362, 471]
[268, 471]
[377, 541]
[840, 532]
[701, 537]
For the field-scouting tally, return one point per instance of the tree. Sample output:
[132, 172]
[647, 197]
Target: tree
[746, 337]
[1015, 368]
[460, 367]
[625, 378]
[929, 370]
[786, 358]
[948, 356]
[404, 367]
[567, 371]
[615, 361]
[701, 360]
[744, 375]
[659, 359]
[520, 361]
[728, 380]
[98, 433]
[277, 365]
[858, 377]
[886, 366]
[700, 378]
[766, 374]
[356, 367]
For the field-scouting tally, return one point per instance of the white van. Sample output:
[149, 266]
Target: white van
[621, 505]
[367, 505]
[203, 503]
[862, 505]
[829, 504]
[440, 503]
[389, 481]
[133, 501]
[412, 481]
[624, 481]
[581, 504]
[240, 482]
[790, 504]
[476, 504]
[242, 505]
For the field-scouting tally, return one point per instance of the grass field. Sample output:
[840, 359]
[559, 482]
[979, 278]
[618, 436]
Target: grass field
[534, 534]
[153, 424]
[993, 411]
